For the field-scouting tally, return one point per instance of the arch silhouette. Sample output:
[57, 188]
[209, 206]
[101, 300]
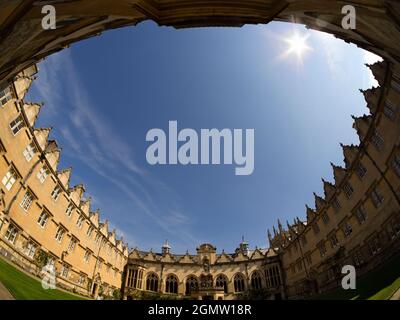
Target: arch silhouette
[23, 41]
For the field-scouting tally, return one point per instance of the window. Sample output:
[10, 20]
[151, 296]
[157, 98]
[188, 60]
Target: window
[152, 282]
[358, 259]
[64, 271]
[222, 282]
[87, 255]
[69, 210]
[315, 227]
[393, 228]
[325, 218]
[16, 125]
[238, 283]
[59, 234]
[361, 214]
[80, 220]
[43, 219]
[192, 284]
[396, 84]
[42, 174]
[135, 277]
[361, 170]
[273, 277]
[11, 233]
[377, 198]
[72, 245]
[347, 229]
[322, 249]
[256, 281]
[396, 164]
[377, 141]
[9, 179]
[334, 241]
[97, 238]
[348, 190]
[336, 204]
[26, 201]
[5, 96]
[29, 152]
[374, 245]
[390, 110]
[30, 249]
[171, 284]
[89, 231]
[82, 279]
[56, 193]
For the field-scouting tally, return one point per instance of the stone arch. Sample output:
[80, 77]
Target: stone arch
[221, 281]
[152, 282]
[256, 280]
[171, 283]
[191, 284]
[239, 282]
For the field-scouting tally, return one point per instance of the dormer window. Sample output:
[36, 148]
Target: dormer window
[56, 193]
[80, 220]
[9, 179]
[89, 231]
[5, 96]
[29, 152]
[42, 174]
[377, 141]
[16, 125]
[348, 190]
[336, 205]
[69, 210]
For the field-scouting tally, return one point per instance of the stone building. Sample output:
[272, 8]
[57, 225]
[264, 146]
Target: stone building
[204, 276]
[355, 221]
[43, 218]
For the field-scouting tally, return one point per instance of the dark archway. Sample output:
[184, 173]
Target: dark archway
[24, 42]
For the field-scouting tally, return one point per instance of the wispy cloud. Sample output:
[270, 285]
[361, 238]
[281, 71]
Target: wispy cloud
[333, 52]
[97, 144]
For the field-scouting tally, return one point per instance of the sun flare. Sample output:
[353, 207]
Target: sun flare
[297, 45]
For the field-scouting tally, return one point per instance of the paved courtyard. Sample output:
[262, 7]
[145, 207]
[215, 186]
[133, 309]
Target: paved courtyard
[4, 293]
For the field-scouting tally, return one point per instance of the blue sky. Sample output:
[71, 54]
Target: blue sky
[102, 96]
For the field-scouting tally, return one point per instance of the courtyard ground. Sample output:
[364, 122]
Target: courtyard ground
[24, 287]
[380, 284]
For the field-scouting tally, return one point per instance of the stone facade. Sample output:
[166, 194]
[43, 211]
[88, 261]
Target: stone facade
[41, 215]
[206, 275]
[356, 221]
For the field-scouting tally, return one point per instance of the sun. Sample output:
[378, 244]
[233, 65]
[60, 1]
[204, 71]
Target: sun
[297, 45]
